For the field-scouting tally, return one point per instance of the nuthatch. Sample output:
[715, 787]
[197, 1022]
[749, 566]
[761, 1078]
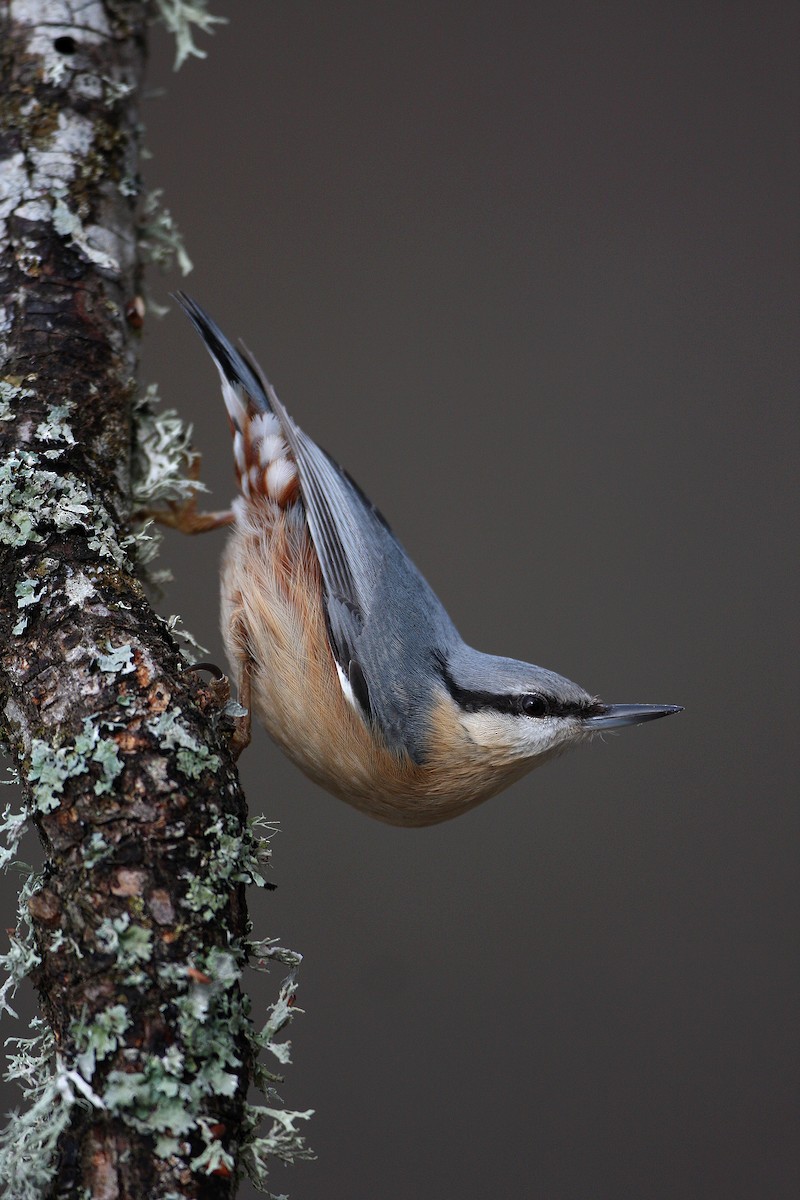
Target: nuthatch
[345, 653]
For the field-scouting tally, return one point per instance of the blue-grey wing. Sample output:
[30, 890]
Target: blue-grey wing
[387, 627]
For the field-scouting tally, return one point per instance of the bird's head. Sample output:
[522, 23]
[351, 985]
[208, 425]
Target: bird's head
[518, 712]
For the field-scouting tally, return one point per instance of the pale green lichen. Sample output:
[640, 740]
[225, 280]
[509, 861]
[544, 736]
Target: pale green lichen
[118, 660]
[168, 1094]
[34, 499]
[130, 943]
[256, 852]
[182, 19]
[49, 770]
[68, 225]
[193, 758]
[55, 428]
[26, 595]
[32, 496]
[95, 850]
[178, 631]
[146, 543]
[12, 830]
[106, 755]
[11, 390]
[161, 457]
[160, 240]
[162, 453]
[51, 766]
[28, 1142]
[58, 940]
[227, 855]
[266, 950]
[282, 1141]
[100, 1037]
[280, 1013]
[22, 955]
[213, 1157]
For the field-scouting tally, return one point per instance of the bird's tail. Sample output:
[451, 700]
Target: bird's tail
[264, 464]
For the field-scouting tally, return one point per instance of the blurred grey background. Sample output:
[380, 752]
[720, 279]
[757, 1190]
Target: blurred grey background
[527, 271]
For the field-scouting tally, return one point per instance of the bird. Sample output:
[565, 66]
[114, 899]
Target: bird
[341, 648]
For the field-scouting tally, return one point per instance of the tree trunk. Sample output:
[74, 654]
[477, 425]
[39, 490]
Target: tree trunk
[134, 933]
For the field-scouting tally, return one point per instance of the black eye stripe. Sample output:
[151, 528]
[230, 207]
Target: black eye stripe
[529, 704]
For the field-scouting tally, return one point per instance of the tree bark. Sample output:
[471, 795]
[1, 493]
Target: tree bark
[135, 931]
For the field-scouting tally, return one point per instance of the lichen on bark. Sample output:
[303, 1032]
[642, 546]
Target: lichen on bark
[135, 932]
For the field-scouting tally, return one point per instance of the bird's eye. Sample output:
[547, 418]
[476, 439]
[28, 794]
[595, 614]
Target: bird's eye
[534, 705]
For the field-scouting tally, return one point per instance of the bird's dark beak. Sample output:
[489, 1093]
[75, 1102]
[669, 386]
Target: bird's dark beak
[616, 716]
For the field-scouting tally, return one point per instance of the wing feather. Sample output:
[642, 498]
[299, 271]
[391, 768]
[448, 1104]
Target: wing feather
[347, 531]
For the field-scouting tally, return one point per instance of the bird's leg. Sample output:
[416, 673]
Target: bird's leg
[182, 514]
[217, 694]
[240, 738]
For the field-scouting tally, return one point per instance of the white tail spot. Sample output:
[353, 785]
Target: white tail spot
[238, 453]
[264, 425]
[271, 447]
[254, 480]
[234, 402]
[279, 475]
